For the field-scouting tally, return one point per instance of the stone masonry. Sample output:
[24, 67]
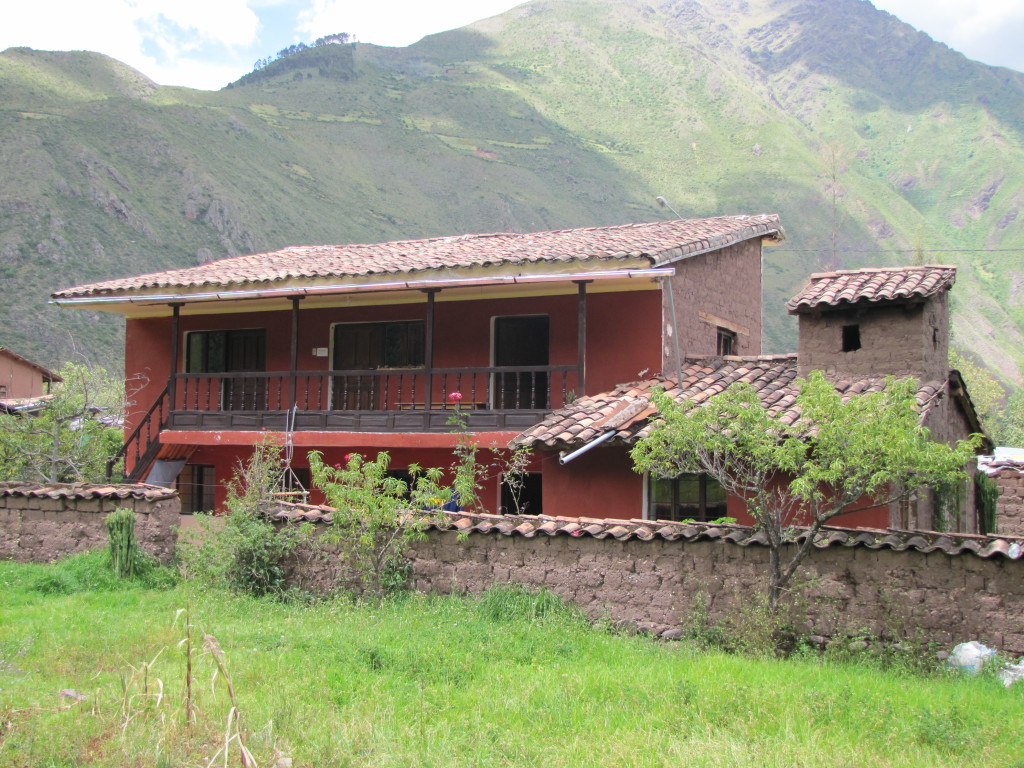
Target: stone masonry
[39, 524]
[1010, 507]
[945, 588]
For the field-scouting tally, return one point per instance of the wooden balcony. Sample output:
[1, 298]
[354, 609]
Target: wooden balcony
[379, 400]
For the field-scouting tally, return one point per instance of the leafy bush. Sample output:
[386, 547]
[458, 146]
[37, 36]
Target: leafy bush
[248, 553]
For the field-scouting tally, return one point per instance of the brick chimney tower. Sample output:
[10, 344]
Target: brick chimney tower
[875, 322]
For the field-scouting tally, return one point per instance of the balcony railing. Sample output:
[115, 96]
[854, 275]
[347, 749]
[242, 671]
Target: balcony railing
[394, 398]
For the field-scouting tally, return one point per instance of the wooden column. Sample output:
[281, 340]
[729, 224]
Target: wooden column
[428, 349]
[581, 337]
[175, 333]
[294, 363]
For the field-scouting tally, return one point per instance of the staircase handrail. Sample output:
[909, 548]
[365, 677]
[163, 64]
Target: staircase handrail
[144, 423]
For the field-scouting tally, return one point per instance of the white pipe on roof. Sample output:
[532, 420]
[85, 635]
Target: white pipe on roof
[395, 285]
[592, 444]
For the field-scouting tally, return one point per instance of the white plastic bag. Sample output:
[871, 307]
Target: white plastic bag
[970, 657]
[1011, 673]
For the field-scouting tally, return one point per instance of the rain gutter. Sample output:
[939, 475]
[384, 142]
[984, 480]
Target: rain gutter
[342, 288]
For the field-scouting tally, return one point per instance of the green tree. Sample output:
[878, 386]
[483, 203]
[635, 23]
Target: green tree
[74, 433]
[838, 453]
[372, 524]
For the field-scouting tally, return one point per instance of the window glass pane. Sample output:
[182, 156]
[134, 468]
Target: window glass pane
[659, 498]
[215, 343]
[716, 493]
[195, 352]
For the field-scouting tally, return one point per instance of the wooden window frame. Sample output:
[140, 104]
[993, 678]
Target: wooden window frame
[705, 511]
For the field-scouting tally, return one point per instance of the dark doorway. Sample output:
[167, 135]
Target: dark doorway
[521, 342]
[525, 500]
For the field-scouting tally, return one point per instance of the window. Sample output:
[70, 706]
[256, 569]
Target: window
[197, 485]
[225, 351]
[230, 352]
[370, 347]
[526, 499]
[687, 497]
[366, 346]
[726, 342]
[851, 338]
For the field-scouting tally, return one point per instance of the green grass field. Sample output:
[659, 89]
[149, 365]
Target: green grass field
[510, 679]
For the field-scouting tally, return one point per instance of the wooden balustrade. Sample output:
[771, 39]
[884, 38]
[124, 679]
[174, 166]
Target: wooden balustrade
[489, 388]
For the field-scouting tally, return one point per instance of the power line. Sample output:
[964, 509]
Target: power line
[900, 250]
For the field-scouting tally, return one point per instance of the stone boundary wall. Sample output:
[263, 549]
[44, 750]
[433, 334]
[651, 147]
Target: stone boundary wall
[1010, 507]
[850, 588]
[40, 524]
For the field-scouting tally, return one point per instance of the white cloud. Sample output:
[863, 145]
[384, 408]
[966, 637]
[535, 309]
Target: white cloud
[985, 30]
[187, 42]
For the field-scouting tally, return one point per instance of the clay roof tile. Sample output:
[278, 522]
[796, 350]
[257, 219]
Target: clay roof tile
[658, 242]
[890, 284]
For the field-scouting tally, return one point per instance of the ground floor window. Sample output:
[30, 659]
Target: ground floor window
[197, 486]
[687, 497]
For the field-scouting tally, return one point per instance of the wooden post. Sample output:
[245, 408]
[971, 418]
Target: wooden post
[581, 337]
[294, 364]
[175, 333]
[428, 351]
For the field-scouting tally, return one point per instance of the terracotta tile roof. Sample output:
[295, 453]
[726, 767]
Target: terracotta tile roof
[532, 526]
[836, 289]
[627, 408]
[86, 491]
[659, 242]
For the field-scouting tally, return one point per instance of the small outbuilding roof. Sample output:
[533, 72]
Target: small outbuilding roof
[831, 290]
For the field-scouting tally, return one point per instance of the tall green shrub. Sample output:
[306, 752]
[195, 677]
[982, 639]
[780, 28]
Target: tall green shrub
[125, 556]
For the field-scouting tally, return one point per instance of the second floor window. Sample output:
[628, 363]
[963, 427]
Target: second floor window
[361, 346]
[225, 351]
[726, 342]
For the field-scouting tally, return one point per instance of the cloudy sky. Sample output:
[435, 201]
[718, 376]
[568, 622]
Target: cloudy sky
[208, 43]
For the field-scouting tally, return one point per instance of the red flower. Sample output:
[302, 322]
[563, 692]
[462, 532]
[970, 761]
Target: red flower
[337, 466]
[455, 397]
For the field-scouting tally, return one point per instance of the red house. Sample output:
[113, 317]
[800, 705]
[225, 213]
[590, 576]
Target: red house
[358, 347]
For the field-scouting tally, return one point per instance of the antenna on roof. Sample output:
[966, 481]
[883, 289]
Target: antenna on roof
[663, 203]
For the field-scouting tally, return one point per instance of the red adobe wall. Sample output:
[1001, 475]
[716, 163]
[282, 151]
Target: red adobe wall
[226, 459]
[622, 336]
[600, 483]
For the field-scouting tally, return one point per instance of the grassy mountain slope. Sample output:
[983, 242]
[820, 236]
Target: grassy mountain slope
[877, 146]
